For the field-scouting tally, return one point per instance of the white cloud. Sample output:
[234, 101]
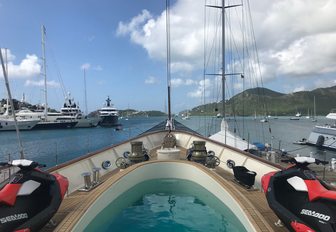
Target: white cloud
[308, 56]
[203, 89]
[85, 66]
[27, 68]
[88, 66]
[186, 34]
[151, 80]
[40, 83]
[177, 82]
[295, 41]
[299, 89]
[321, 83]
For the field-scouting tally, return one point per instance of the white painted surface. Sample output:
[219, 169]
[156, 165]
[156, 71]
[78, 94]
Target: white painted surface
[168, 154]
[164, 170]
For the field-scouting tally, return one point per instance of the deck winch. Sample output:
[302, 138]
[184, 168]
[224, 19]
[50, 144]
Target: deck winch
[199, 154]
[138, 154]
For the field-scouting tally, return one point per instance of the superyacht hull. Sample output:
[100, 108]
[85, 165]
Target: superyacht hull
[54, 125]
[87, 122]
[9, 125]
[109, 121]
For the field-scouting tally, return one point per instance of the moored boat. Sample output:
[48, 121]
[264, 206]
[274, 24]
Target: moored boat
[8, 124]
[108, 114]
[51, 120]
[324, 135]
[70, 108]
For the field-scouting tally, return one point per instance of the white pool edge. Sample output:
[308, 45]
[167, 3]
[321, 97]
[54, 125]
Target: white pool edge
[159, 170]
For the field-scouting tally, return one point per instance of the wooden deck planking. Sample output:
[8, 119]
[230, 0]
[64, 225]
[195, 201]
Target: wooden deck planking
[257, 199]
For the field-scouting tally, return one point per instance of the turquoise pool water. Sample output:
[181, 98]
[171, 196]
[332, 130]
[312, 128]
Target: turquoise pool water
[166, 205]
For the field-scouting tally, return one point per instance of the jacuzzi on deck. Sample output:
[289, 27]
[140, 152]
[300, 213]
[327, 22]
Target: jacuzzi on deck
[162, 170]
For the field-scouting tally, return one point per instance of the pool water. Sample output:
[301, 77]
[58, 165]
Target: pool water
[166, 205]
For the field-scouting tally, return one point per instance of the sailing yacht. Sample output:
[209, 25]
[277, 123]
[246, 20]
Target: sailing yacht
[225, 135]
[48, 120]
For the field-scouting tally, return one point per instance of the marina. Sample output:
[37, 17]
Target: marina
[53, 147]
[212, 172]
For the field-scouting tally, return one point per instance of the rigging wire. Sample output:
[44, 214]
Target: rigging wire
[5, 75]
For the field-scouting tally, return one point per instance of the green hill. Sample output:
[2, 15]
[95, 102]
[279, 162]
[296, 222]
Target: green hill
[263, 101]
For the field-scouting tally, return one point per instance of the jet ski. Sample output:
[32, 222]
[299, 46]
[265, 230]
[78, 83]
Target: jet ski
[299, 198]
[30, 198]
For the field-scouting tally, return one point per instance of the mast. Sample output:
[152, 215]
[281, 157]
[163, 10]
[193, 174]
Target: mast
[314, 109]
[85, 96]
[5, 74]
[223, 62]
[223, 74]
[44, 73]
[169, 124]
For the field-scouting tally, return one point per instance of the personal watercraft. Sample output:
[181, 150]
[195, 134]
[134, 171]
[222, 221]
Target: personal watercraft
[30, 198]
[299, 198]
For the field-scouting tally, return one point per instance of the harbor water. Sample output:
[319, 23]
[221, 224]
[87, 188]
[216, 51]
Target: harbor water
[52, 147]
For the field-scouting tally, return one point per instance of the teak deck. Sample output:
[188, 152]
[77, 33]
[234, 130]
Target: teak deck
[253, 201]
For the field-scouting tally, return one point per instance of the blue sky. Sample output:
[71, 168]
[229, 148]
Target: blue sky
[121, 43]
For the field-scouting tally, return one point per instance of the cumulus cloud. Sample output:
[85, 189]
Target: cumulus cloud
[186, 30]
[27, 68]
[204, 88]
[177, 82]
[293, 42]
[85, 66]
[299, 89]
[322, 83]
[299, 40]
[151, 80]
[40, 83]
[88, 66]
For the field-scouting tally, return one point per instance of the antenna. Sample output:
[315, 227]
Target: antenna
[5, 74]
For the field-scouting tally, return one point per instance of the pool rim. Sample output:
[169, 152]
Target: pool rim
[243, 209]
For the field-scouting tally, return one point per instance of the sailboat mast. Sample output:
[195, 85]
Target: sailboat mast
[85, 95]
[168, 64]
[5, 74]
[314, 108]
[44, 74]
[223, 60]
